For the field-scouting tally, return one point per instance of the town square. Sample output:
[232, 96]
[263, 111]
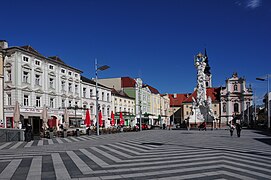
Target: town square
[135, 89]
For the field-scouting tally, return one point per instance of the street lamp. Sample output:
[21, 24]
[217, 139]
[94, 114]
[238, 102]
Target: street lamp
[100, 68]
[268, 109]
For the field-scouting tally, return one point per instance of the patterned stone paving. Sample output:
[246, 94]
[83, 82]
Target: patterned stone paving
[153, 154]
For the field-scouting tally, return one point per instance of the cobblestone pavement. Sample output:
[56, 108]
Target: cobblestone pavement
[153, 154]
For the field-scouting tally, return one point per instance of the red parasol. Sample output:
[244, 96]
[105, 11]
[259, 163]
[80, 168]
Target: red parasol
[121, 119]
[112, 119]
[87, 119]
[100, 119]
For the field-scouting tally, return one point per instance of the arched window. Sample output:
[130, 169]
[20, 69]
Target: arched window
[236, 107]
[235, 87]
[224, 107]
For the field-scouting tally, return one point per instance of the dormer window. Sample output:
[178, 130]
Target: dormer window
[63, 71]
[70, 73]
[51, 67]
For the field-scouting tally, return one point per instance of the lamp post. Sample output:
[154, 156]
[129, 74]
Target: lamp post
[100, 68]
[268, 108]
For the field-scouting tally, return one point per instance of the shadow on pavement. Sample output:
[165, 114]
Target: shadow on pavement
[264, 140]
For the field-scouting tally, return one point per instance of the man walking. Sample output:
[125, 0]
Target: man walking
[238, 129]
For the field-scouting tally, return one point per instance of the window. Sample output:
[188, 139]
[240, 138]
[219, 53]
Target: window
[102, 96]
[63, 85]
[25, 59]
[236, 107]
[103, 112]
[91, 110]
[84, 92]
[84, 106]
[91, 93]
[26, 100]
[120, 109]
[76, 88]
[70, 73]
[37, 62]
[51, 102]
[8, 75]
[235, 87]
[70, 103]
[115, 109]
[76, 103]
[107, 96]
[215, 112]
[187, 112]
[9, 99]
[63, 102]
[51, 82]
[38, 101]
[37, 79]
[63, 71]
[70, 87]
[25, 76]
[108, 113]
[76, 75]
[224, 107]
[248, 105]
[51, 67]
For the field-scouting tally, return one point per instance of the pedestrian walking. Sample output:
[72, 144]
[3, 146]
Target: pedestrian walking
[232, 127]
[238, 129]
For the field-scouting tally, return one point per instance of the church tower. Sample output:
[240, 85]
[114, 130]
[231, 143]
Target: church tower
[207, 72]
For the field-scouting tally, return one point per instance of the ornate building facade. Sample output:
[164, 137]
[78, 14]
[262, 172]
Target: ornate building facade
[35, 81]
[236, 98]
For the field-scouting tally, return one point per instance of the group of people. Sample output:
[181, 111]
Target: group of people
[238, 128]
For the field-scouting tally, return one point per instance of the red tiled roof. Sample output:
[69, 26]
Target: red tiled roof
[214, 93]
[152, 89]
[127, 82]
[178, 100]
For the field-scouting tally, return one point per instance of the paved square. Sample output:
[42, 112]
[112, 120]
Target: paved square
[152, 154]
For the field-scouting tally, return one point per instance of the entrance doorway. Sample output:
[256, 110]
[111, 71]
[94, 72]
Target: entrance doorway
[36, 125]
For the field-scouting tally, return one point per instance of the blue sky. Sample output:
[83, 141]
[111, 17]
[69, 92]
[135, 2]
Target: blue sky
[152, 39]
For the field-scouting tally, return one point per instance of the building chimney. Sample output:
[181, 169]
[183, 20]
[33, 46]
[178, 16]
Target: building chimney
[3, 44]
[175, 95]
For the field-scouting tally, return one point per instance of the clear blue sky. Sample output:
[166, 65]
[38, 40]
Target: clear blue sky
[152, 39]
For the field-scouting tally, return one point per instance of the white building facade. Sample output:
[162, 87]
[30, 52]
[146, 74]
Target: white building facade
[34, 81]
[235, 99]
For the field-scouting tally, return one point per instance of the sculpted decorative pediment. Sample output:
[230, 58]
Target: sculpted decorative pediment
[77, 81]
[38, 91]
[38, 70]
[63, 77]
[85, 102]
[8, 87]
[51, 74]
[8, 65]
[26, 88]
[64, 95]
[70, 79]
[71, 96]
[26, 66]
[52, 93]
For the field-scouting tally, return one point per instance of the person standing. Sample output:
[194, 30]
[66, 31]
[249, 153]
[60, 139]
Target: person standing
[238, 129]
